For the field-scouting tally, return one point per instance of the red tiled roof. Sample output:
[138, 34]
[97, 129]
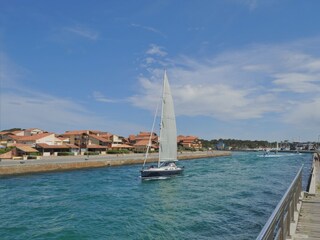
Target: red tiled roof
[95, 131]
[187, 138]
[76, 132]
[63, 146]
[144, 133]
[17, 131]
[15, 137]
[132, 137]
[100, 138]
[47, 146]
[6, 155]
[4, 133]
[79, 132]
[144, 142]
[34, 137]
[62, 138]
[95, 146]
[121, 146]
[31, 129]
[25, 148]
[71, 145]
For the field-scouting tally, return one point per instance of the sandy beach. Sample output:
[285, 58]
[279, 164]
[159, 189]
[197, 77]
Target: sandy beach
[49, 164]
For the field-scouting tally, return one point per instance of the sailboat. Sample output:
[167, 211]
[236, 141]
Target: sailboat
[168, 139]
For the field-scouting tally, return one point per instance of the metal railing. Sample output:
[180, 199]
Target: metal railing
[278, 225]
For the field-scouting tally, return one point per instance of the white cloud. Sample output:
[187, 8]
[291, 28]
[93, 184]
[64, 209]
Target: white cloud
[156, 50]
[255, 82]
[29, 109]
[298, 82]
[305, 114]
[26, 110]
[23, 107]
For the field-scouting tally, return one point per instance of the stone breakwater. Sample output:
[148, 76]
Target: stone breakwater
[51, 164]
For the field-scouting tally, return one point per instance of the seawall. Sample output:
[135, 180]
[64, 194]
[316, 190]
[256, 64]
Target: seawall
[15, 167]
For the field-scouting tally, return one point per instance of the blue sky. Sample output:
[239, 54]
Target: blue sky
[244, 69]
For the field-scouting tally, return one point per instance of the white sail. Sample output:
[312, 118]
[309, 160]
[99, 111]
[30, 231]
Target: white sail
[168, 130]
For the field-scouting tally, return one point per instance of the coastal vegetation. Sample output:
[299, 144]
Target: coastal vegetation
[236, 144]
[118, 151]
[4, 150]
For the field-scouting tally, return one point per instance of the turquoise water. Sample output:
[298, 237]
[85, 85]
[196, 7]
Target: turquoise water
[217, 198]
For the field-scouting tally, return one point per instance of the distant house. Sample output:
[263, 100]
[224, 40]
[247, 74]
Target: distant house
[112, 139]
[97, 148]
[140, 141]
[54, 150]
[189, 142]
[33, 131]
[115, 139]
[122, 147]
[18, 133]
[22, 150]
[132, 139]
[98, 140]
[94, 138]
[142, 145]
[76, 137]
[48, 138]
[4, 137]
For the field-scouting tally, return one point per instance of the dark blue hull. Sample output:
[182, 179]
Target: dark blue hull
[161, 173]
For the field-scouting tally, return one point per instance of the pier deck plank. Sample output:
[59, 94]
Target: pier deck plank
[308, 226]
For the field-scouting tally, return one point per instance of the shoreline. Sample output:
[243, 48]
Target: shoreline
[57, 164]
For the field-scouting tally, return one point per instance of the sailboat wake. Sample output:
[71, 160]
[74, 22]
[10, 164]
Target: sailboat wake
[155, 178]
[277, 155]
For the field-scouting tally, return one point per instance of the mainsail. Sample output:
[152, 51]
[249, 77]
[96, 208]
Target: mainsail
[168, 130]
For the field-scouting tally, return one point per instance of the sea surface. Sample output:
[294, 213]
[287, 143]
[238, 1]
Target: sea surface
[216, 198]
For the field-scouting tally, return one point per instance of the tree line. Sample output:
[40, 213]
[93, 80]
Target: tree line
[237, 144]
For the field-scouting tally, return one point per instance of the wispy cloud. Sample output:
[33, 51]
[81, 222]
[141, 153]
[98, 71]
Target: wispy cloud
[84, 32]
[147, 28]
[10, 73]
[154, 55]
[98, 96]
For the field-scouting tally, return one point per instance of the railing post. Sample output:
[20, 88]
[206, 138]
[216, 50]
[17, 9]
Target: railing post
[270, 236]
[292, 210]
[284, 220]
[295, 199]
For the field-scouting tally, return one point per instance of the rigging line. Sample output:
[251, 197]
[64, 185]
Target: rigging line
[149, 142]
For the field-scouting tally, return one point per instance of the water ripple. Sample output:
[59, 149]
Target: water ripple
[218, 198]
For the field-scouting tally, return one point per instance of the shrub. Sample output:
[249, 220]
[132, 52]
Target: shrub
[120, 151]
[65, 154]
[91, 153]
[34, 154]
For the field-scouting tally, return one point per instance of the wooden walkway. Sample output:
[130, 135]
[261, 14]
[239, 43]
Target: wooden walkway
[308, 226]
